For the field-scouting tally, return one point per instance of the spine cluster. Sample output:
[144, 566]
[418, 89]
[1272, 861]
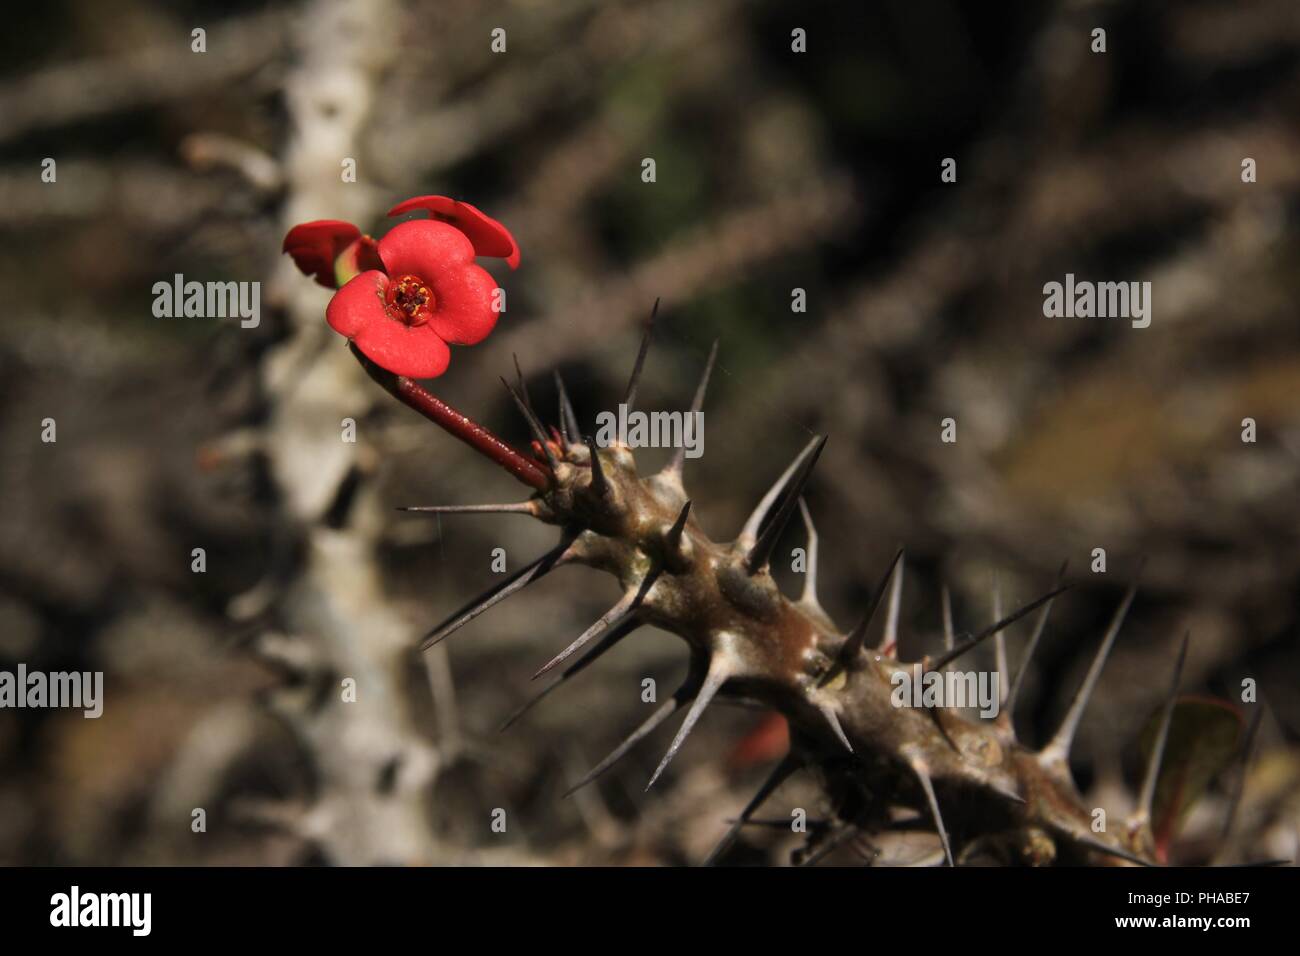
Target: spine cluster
[988, 797]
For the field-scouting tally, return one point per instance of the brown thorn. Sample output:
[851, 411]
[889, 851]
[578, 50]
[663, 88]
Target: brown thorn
[534, 424]
[678, 461]
[569, 429]
[1247, 751]
[1039, 624]
[754, 523]
[1094, 844]
[614, 618]
[889, 638]
[498, 593]
[598, 483]
[811, 544]
[761, 552]
[518, 507]
[971, 642]
[782, 772]
[832, 843]
[1147, 795]
[683, 694]
[948, 636]
[834, 721]
[673, 539]
[852, 645]
[713, 680]
[630, 397]
[616, 634]
[522, 385]
[927, 787]
[1057, 751]
[1000, 647]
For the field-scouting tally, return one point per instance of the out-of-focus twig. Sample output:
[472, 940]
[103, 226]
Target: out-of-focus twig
[720, 252]
[72, 93]
[206, 151]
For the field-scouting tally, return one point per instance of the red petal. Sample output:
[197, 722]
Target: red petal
[441, 255]
[358, 303]
[364, 254]
[488, 236]
[464, 314]
[357, 311]
[413, 352]
[315, 245]
[424, 248]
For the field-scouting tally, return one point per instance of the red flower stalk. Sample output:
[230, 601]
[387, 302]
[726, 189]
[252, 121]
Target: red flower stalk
[405, 298]
[481, 439]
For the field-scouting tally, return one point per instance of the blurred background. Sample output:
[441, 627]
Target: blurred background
[775, 170]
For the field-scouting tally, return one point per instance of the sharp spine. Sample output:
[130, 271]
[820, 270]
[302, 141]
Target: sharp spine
[635, 379]
[665, 710]
[927, 787]
[615, 617]
[522, 385]
[1147, 794]
[495, 595]
[534, 424]
[811, 543]
[678, 462]
[889, 640]
[852, 646]
[948, 636]
[1092, 843]
[789, 765]
[1234, 802]
[717, 676]
[757, 557]
[1057, 752]
[673, 539]
[1040, 623]
[614, 635]
[834, 721]
[972, 642]
[749, 533]
[1000, 647]
[519, 507]
[569, 429]
[598, 483]
[832, 843]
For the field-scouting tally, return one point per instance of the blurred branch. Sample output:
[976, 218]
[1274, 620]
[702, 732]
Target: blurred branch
[709, 256]
[206, 151]
[375, 766]
[92, 88]
[512, 98]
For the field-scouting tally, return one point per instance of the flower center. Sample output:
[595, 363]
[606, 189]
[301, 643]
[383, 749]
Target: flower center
[409, 300]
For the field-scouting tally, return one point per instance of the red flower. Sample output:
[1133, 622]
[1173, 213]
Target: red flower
[489, 237]
[405, 298]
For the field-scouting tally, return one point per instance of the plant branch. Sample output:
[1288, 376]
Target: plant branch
[456, 424]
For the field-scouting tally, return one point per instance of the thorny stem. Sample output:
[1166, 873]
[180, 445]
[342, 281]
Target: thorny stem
[456, 424]
[721, 599]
